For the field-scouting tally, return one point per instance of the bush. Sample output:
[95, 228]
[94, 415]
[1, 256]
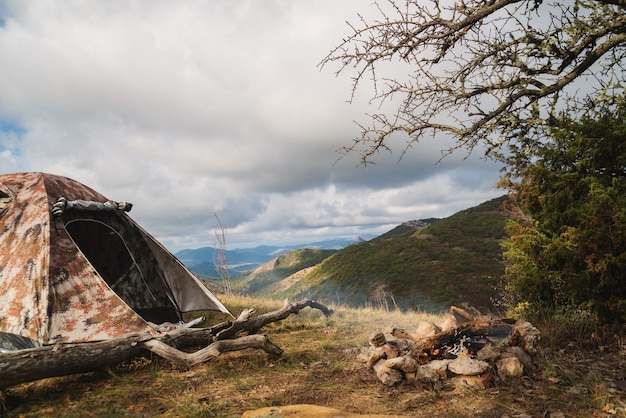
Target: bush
[569, 247]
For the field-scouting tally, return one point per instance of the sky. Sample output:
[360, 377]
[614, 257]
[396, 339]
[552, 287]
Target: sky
[199, 108]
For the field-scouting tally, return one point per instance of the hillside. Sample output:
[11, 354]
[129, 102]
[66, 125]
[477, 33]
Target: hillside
[426, 266]
[260, 281]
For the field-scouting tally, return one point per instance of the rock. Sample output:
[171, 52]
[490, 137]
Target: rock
[461, 315]
[526, 336]
[521, 355]
[457, 317]
[509, 368]
[406, 364]
[387, 375]
[488, 353]
[377, 339]
[377, 355]
[426, 329]
[306, 411]
[448, 324]
[439, 366]
[467, 366]
[386, 351]
[361, 355]
[474, 382]
[426, 375]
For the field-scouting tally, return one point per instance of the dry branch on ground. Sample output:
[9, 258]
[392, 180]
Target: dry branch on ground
[65, 359]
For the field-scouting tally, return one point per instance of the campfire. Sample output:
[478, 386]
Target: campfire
[474, 351]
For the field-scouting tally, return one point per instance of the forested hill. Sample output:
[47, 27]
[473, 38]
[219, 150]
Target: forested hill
[421, 266]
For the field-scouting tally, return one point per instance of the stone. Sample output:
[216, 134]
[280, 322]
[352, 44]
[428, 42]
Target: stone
[377, 339]
[488, 353]
[457, 317]
[467, 366]
[521, 355]
[426, 329]
[474, 382]
[387, 375]
[509, 368]
[439, 366]
[426, 375]
[406, 364]
[461, 315]
[449, 323]
[525, 335]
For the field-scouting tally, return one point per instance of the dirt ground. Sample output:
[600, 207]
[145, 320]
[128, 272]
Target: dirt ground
[575, 385]
[320, 366]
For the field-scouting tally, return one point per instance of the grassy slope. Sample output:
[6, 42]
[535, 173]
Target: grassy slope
[453, 261]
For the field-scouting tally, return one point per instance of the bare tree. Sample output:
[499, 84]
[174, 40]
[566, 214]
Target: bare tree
[493, 72]
[220, 261]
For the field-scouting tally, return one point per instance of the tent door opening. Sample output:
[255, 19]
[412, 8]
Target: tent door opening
[128, 271]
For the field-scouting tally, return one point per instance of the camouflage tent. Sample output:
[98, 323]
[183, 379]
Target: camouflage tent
[74, 267]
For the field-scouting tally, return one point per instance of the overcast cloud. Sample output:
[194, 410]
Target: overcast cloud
[192, 108]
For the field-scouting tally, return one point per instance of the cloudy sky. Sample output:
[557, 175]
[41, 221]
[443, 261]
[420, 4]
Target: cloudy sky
[192, 108]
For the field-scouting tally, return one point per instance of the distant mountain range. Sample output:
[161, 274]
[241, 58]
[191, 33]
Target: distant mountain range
[202, 260]
[426, 265]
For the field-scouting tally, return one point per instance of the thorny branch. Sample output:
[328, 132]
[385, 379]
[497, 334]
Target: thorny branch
[481, 72]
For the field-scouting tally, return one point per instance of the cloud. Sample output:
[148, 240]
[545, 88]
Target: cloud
[188, 109]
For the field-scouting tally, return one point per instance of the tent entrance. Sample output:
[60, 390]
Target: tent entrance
[127, 266]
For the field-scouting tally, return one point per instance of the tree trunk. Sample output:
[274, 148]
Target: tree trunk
[65, 359]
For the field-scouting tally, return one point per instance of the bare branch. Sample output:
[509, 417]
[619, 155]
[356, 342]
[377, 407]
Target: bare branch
[480, 72]
[220, 261]
[214, 350]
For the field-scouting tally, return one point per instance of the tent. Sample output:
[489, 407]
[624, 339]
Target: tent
[74, 267]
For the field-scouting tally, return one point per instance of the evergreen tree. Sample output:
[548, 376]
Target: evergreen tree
[571, 250]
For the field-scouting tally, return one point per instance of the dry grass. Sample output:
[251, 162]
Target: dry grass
[320, 366]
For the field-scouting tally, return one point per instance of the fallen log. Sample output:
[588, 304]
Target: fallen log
[64, 359]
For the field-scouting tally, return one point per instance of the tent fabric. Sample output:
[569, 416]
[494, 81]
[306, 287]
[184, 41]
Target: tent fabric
[84, 275]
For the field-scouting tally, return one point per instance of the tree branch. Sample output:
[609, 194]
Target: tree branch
[213, 350]
[483, 72]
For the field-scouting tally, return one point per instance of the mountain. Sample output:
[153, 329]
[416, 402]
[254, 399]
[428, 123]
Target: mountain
[419, 265]
[201, 260]
[262, 278]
